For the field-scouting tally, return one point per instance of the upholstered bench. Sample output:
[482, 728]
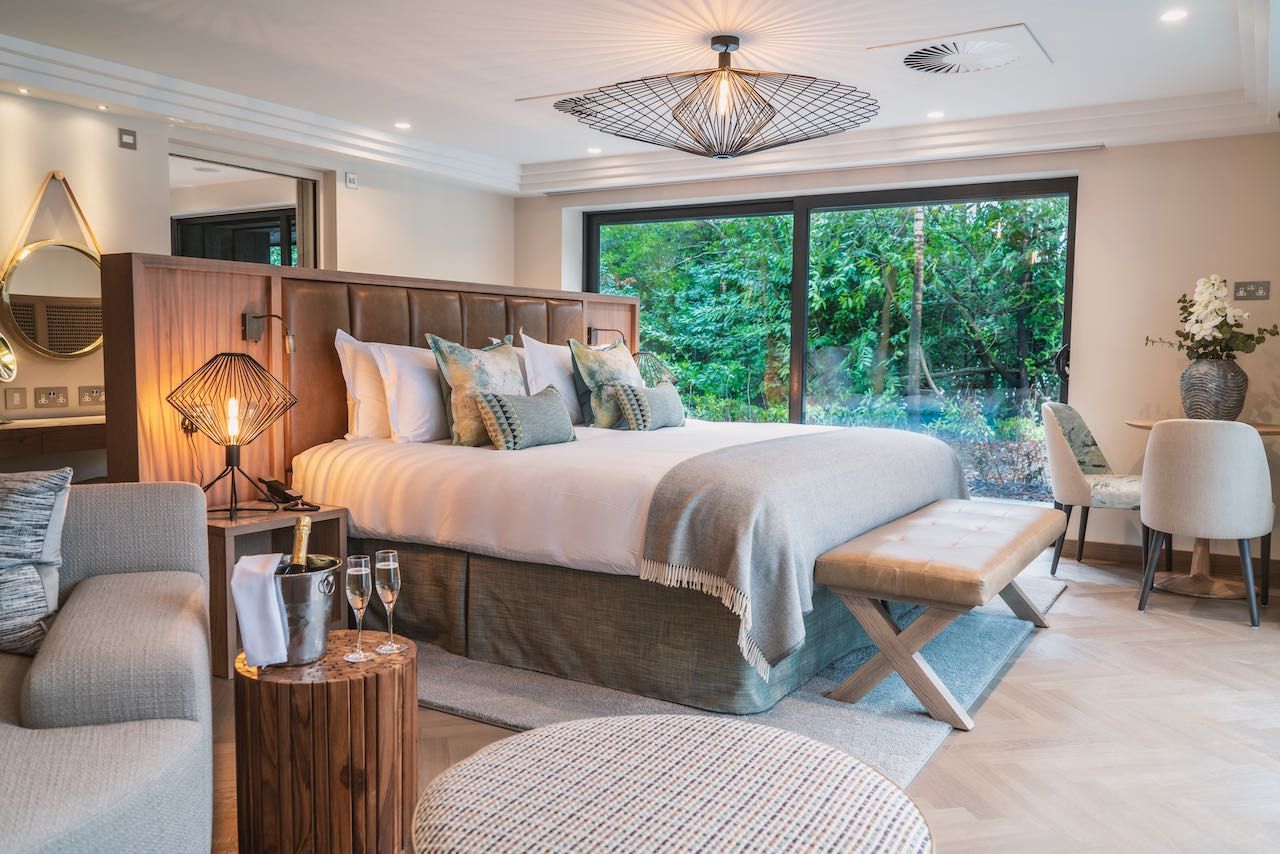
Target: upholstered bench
[951, 557]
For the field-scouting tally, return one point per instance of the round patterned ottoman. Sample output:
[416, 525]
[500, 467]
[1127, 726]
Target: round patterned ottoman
[663, 782]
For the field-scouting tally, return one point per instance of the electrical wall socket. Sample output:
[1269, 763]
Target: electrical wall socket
[1252, 290]
[92, 395]
[15, 398]
[50, 397]
[353, 181]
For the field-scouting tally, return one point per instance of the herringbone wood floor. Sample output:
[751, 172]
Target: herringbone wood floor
[1112, 730]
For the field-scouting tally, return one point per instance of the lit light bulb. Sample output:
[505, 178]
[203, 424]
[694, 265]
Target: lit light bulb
[233, 419]
[722, 103]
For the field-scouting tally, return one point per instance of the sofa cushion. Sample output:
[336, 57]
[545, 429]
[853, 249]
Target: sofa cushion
[124, 647]
[13, 671]
[143, 786]
[33, 507]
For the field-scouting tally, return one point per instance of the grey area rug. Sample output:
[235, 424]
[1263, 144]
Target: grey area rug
[888, 728]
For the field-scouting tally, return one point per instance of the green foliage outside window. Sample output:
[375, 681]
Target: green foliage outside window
[944, 318]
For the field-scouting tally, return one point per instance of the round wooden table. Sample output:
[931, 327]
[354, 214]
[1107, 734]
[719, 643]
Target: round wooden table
[326, 753]
[1200, 583]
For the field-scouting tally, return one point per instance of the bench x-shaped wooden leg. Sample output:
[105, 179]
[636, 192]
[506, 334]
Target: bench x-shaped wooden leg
[899, 650]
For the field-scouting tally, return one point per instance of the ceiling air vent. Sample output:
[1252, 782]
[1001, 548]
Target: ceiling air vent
[961, 57]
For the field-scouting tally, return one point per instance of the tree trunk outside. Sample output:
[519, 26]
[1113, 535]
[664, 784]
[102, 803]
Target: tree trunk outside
[915, 322]
[890, 279]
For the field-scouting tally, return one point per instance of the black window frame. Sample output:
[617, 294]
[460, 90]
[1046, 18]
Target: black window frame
[801, 206]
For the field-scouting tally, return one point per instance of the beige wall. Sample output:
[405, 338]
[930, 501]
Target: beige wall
[1151, 220]
[269, 191]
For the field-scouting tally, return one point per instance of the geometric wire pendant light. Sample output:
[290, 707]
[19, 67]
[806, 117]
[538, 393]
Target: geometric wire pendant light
[233, 400]
[723, 112]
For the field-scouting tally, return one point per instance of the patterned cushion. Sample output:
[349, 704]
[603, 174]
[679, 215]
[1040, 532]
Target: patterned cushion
[646, 408]
[518, 421]
[593, 369]
[1088, 455]
[1115, 491]
[665, 783]
[465, 372]
[33, 507]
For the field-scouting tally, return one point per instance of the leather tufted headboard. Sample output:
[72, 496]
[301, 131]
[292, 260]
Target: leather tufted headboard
[403, 312]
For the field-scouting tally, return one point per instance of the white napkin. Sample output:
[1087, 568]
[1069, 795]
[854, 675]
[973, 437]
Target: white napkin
[253, 586]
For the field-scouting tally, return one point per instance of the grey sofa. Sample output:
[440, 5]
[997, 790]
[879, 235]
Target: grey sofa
[105, 738]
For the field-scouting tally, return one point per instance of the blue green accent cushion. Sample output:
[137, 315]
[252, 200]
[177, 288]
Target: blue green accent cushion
[1088, 455]
[33, 507]
[593, 369]
[519, 421]
[465, 372]
[646, 408]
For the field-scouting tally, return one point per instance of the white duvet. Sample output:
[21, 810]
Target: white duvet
[582, 504]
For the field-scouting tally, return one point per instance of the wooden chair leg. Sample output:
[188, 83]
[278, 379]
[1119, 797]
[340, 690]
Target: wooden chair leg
[1057, 549]
[1021, 606]
[1084, 523]
[1266, 568]
[922, 630]
[1246, 569]
[1158, 539]
[909, 664]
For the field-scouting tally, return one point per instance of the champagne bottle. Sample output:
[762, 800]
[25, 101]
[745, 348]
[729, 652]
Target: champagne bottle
[301, 534]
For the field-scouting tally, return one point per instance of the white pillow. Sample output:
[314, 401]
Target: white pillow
[367, 416]
[551, 365]
[414, 402]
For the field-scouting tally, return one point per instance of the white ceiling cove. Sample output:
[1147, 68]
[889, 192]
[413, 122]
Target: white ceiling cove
[469, 76]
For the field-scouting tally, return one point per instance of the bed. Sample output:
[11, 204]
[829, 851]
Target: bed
[531, 558]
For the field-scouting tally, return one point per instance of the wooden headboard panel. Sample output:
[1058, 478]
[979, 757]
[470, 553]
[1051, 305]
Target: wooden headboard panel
[164, 316]
[404, 314]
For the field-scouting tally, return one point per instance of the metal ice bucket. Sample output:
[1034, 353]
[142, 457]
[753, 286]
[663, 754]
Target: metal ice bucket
[306, 601]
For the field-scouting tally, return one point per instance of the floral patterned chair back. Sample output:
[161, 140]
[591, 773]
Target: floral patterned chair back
[1088, 455]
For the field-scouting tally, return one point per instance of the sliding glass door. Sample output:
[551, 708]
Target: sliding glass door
[716, 297]
[941, 310]
[944, 318]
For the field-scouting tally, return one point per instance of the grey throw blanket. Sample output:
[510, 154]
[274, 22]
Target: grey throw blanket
[746, 523]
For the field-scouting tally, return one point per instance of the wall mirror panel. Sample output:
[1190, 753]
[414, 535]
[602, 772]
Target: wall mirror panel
[52, 294]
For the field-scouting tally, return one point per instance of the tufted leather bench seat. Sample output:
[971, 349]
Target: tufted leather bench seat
[951, 556]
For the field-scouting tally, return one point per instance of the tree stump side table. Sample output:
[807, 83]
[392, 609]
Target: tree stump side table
[326, 753]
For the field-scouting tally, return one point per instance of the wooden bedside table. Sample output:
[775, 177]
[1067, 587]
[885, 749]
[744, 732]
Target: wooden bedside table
[258, 532]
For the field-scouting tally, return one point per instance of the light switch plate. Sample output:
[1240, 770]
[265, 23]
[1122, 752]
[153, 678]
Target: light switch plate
[50, 397]
[353, 181]
[92, 395]
[1252, 290]
[15, 398]
[126, 138]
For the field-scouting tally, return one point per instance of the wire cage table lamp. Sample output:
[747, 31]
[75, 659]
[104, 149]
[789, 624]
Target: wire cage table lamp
[233, 400]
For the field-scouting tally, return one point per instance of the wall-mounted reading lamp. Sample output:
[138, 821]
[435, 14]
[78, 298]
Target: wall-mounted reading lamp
[593, 331]
[252, 327]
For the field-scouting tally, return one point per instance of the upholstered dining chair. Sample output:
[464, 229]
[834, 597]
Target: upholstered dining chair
[1081, 477]
[1208, 479]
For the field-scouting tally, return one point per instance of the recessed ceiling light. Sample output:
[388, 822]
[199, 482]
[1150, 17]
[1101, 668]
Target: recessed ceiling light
[934, 114]
[103, 107]
[403, 126]
[594, 150]
[24, 91]
[1174, 15]
[205, 169]
[176, 120]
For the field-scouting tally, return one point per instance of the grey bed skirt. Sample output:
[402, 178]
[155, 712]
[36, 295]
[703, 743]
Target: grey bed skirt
[617, 631]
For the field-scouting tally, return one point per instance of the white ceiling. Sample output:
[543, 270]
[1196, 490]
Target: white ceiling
[456, 70]
[187, 172]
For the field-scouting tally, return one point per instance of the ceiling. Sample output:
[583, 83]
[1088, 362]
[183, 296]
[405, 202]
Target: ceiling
[333, 72]
[187, 172]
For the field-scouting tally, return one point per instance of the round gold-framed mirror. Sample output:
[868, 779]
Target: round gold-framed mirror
[52, 294]
[8, 361]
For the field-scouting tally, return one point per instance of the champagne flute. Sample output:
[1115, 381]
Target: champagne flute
[359, 589]
[387, 580]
